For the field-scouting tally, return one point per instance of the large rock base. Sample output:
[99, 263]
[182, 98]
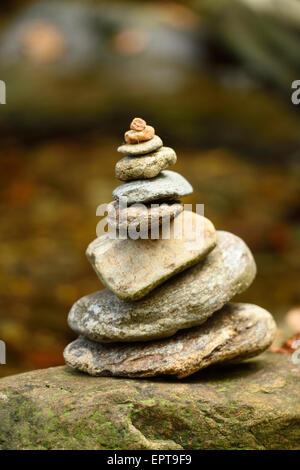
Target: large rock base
[254, 405]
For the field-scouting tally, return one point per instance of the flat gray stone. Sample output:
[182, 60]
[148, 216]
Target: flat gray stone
[143, 147]
[186, 300]
[131, 268]
[146, 166]
[167, 185]
[236, 332]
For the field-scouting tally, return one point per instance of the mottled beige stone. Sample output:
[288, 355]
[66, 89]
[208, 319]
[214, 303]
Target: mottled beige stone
[147, 166]
[141, 216]
[186, 300]
[132, 268]
[236, 332]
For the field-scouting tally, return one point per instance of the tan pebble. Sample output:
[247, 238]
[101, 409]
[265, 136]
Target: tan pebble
[134, 137]
[138, 124]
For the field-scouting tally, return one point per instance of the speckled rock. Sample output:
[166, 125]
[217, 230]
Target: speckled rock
[236, 332]
[131, 268]
[144, 147]
[186, 300]
[147, 166]
[251, 405]
[167, 185]
[140, 216]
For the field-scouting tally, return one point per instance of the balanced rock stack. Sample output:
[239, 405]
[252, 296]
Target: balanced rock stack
[165, 309]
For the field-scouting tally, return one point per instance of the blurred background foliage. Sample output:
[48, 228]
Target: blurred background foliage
[213, 76]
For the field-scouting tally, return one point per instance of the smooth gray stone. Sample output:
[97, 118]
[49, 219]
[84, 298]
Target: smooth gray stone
[183, 301]
[236, 332]
[166, 185]
[142, 148]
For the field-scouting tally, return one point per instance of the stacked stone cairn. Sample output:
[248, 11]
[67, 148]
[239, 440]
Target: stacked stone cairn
[166, 307]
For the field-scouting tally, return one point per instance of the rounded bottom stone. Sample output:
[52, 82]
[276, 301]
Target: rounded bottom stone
[234, 333]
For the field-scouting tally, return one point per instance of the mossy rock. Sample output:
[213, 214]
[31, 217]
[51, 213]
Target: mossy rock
[254, 405]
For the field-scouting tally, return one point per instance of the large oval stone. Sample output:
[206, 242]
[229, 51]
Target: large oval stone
[167, 185]
[236, 332]
[186, 300]
[131, 268]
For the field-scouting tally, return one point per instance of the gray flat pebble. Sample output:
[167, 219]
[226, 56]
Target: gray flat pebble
[144, 147]
[166, 185]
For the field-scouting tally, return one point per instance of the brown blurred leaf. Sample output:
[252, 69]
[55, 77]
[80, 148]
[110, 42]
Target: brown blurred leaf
[288, 347]
[52, 357]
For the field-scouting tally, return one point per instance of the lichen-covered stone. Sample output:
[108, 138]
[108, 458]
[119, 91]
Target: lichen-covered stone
[236, 332]
[142, 148]
[186, 300]
[254, 405]
[132, 268]
[167, 185]
[146, 166]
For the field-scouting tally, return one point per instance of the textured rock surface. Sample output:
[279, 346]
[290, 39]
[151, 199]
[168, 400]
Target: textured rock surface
[144, 147]
[133, 268]
[141, 216]
[147, 166]
[236, 332]
[253, 405]
[186, 300]
[138, 124]
[167, 185]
